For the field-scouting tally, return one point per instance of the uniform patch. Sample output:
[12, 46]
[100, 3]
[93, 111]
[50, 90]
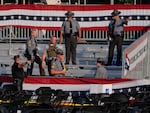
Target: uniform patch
[53, 65]
[29, 43]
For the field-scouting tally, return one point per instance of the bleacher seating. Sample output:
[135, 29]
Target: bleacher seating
[86, 59]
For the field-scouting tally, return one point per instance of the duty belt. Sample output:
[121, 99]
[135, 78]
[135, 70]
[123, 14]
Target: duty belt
[71, 34]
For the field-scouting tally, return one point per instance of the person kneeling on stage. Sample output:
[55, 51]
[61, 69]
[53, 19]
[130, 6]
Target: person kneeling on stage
[18, 72]
[57, 67]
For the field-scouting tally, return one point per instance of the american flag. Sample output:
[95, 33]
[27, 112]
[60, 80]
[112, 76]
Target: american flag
[93, 17]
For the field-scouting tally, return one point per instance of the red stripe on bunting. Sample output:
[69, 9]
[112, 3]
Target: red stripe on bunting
[47, 80]
[74, 7]
[6, 79]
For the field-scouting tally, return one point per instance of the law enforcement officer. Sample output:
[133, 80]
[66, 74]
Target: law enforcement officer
[57, 64]
[115, 31]
[101, 72]
[71, 32]
[18, 72]
[32, 53]
[49, 53]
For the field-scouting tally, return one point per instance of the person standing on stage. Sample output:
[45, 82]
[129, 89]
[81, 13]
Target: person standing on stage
[70, 31]
[18, 72]
[49, 53]
[32, 53]
[115, 31]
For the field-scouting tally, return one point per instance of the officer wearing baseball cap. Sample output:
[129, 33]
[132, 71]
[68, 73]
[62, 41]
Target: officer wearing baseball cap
[101, 72]
[58, 68]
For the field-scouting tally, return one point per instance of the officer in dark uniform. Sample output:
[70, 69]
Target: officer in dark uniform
[71, 32]
[58, 68]
[49, 53]
[115, 31]
[32, 53]
[18, 72]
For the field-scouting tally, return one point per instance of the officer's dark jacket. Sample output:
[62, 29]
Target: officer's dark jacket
[17, 73]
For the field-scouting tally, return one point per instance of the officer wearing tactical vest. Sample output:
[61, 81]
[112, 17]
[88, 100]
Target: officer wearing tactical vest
[49, 53]
[58, 68]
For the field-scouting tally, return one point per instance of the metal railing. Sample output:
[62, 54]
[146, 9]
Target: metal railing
[136, 58]
[20, 34]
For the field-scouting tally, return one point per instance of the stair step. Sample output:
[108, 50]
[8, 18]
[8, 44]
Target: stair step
[86, 59]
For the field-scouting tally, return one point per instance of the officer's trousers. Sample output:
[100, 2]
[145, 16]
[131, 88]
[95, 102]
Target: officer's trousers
[116, 41]
[38, 60]
[19, 83]
[49, 64]
[70, 45]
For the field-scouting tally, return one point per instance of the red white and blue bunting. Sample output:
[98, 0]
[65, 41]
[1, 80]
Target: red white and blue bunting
[117, 85]
[90, 17]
